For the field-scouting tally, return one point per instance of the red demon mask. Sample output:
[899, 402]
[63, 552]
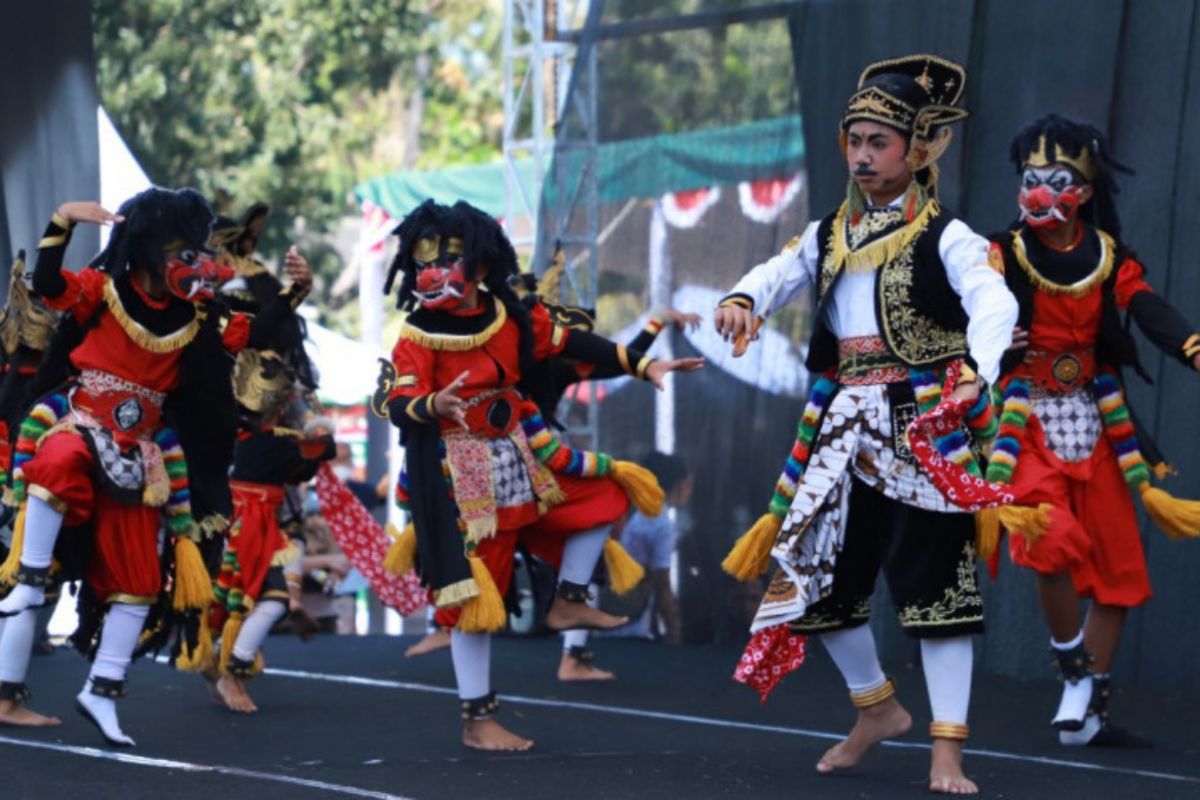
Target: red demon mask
[441, 273]
[192, 277]
[1049, 196]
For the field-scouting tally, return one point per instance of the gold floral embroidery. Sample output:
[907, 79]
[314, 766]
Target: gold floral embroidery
[960, 603]
[914, 338]
[872, 223]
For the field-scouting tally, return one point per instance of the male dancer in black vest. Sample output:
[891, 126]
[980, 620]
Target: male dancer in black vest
[902, 290]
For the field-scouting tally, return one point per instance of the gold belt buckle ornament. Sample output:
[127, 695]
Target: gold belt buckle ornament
[1066, 369]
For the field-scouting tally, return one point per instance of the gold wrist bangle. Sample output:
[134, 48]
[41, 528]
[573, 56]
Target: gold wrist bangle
[740, 302]
[61, 221]
[967, 375]
[642, 366]
[873, 697]
[955, 731]
[57, 240]
[623, 357]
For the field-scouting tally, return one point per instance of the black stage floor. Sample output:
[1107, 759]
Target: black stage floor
[351, 717]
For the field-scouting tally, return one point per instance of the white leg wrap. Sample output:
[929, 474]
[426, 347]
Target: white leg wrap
[118, 640]
[472, 656]
[42, 523]
[948, 664]
[580, 554]
[16, 645]
[256, 626]
[853, 651]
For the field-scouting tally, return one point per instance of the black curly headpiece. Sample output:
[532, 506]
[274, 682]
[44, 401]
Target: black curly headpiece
[484, 244]
[1076, 138]
[153, 218]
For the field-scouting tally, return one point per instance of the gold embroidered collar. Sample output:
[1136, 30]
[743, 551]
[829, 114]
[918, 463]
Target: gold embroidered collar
[1079, 288]
[879, 251]
[451, 341]
[143, 337]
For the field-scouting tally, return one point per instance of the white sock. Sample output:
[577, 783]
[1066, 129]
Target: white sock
[581, 553]
[947, 664]
[16, 645]
[472, 656]
[853, 651]
[42, 523]
[1083, 736]
[1075, 696]
[256, 626]
[118, 639]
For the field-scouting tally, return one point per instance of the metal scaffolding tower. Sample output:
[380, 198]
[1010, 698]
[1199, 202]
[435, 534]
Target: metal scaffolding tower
[550, 119]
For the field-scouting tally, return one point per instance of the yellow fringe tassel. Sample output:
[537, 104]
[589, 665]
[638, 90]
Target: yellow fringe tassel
[1028, 521]
[12, 564]
[641, 486]
[987, 532]
[201, 657]
[624, 573]
[751, 554]
[193, 584]
[1178, 519]
[401, 556]
[485, 612]
[229, 634]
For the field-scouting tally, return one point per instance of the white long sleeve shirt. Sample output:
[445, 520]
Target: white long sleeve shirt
[991, 309]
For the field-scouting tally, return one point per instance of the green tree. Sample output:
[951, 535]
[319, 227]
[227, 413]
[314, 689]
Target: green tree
[295, 101]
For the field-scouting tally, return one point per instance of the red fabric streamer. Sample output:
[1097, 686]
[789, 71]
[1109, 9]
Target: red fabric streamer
[365, 543]
[771, 654]
[968, 492]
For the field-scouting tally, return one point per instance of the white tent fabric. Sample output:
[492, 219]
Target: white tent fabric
[347, 369]
[121, 177]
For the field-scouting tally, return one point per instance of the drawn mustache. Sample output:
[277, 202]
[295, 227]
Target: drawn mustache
[865, 171]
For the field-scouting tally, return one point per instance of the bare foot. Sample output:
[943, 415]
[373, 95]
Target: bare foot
[574, 669]
[437, 640]
[233, 694]
[487, 734]
[13, 713]
[885, 720]
[565, 615]
[211, 677]
[945, 769]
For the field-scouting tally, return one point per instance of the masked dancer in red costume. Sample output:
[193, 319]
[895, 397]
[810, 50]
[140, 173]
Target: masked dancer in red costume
[484, 471]
[1068, 438]
[133, 434]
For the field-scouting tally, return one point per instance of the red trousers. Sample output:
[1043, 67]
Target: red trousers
[1093, 533]
[590, 503]
[124, 564]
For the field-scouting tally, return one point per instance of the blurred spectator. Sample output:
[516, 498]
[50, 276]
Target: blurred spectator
[652, 541]
[325, 571]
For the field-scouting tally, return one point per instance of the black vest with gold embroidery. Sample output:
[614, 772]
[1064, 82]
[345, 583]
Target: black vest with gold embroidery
[920, 317]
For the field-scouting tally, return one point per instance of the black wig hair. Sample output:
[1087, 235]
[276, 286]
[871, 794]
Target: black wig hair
[153, 218]
[1074, 136]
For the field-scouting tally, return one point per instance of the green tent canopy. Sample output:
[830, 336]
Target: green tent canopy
[646, 167]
